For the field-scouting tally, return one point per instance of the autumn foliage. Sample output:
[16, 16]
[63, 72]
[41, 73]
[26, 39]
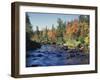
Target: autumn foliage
[74, 33]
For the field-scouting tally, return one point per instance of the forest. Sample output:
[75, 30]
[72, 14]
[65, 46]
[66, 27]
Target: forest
[72, 35]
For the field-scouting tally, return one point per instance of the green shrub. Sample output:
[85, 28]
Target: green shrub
[72, 43]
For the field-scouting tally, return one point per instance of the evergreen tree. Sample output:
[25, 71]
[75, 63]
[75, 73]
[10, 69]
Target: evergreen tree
[29, 31]
[60, 30]
[38, 33]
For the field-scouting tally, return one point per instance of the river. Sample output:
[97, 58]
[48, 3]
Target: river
[54, 55]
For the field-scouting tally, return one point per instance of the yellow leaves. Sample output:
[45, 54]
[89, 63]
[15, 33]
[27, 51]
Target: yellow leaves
[87, 40]
[72, 43]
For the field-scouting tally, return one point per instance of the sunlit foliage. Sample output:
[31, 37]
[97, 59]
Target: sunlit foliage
[75, 34]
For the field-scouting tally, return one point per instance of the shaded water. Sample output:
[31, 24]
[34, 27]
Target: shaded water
[53, 55]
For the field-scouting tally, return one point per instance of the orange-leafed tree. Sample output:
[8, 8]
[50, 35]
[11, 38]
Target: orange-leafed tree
[52, 34]
[72, 29]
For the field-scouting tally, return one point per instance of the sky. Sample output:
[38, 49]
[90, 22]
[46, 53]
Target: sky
[48, 19]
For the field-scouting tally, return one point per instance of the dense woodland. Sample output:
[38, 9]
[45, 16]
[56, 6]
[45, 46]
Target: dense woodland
[74, 34]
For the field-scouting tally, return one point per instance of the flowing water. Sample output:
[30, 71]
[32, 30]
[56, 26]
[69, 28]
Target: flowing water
[54, 55]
